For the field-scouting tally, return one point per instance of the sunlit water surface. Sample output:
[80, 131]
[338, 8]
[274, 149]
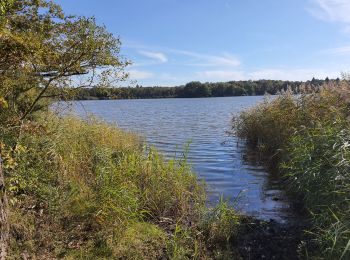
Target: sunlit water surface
[216, 156]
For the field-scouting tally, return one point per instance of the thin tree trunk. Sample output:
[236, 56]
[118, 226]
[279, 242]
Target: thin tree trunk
[4, 225]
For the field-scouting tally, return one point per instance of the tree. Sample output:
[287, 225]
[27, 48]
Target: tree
[43, 54]
[43, 50]
[190, 89]
[203, 90]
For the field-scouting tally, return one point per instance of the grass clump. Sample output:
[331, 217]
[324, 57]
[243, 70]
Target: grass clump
[221, 223]
[140, 240]
[306, 138]
[87, 190]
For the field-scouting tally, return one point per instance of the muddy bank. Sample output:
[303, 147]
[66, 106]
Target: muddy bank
[258, 239]
[280, 237]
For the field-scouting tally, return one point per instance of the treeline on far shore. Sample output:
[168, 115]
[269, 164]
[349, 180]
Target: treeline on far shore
[197, 89]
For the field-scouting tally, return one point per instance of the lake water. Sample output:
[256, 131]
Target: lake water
[216, 156]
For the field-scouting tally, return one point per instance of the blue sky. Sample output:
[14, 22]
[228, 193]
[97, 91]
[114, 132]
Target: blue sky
[172, 42]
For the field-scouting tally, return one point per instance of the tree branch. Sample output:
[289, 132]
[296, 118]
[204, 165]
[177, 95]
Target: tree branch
[37, 98]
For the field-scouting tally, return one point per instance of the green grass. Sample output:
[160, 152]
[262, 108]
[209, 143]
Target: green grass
[318, 172]
[269, 125]
[306, 138]
[87, 190]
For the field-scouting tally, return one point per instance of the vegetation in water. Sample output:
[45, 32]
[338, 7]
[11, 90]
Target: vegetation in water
[306, 138]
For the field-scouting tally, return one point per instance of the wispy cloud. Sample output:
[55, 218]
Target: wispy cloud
[139, 74]
[292, 74]
[266, 73]
[331, 10]
[157, 56]
[343, 50]
[173, 79]
[220, 60]
[219, 75]
[215, 67]
[207, 60]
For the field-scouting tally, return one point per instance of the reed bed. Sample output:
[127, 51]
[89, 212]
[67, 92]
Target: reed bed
[305, 139]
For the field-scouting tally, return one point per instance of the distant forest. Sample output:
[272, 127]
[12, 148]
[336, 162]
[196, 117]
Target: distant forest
[197, 89]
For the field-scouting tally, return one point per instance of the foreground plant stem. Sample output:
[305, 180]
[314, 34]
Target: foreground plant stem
[4, 225]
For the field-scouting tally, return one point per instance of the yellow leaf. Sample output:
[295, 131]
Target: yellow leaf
[3, 103]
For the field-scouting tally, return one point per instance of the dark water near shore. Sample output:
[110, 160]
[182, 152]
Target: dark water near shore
[217, 157]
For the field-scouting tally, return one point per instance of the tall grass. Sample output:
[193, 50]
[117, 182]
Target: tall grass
[87, 190]
[318, 172]
[306, 138]
[269, 125]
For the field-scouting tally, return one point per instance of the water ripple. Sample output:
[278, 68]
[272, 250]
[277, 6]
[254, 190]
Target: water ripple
[170, 124]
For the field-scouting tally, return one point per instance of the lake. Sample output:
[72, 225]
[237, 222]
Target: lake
[216, 156]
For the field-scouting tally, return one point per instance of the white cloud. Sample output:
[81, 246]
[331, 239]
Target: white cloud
[206, 60]
[157, 56]
[343, 50]
[138, 74]
[223, 60]
[160, 55]
[292, 74]
[346, 29]
[268, 73]
[219, 75]
[331, 10]
[224, 66]
[170, 79]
